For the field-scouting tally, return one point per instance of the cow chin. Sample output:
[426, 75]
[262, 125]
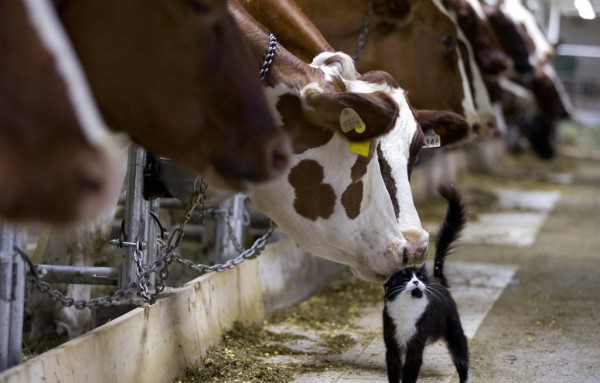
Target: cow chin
[369, 275]
[222, 183]
[387, 264]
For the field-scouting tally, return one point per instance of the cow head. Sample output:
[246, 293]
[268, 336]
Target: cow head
[511, 37]
[179, 77]
[346, 201]
[488, 52]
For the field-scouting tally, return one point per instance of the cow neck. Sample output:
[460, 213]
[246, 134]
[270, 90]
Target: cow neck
[286, 69]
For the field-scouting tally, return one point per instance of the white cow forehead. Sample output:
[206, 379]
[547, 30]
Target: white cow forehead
[53, 36]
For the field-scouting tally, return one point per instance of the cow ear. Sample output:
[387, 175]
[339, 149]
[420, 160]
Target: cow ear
[451, 127]
[395, 9]
[358, 116]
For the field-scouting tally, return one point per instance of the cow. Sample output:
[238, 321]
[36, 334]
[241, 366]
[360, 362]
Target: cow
[545, 99]
[350, 204]
[58, 160]
[178, 77]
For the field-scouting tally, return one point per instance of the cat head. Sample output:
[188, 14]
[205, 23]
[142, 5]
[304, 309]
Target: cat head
[410, 280]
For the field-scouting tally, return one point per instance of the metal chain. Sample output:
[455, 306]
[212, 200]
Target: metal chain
[232, 238]
[364, 32]
[249, 253]
[269, 55]
[160, 266]
[116, 298]
[197, 199]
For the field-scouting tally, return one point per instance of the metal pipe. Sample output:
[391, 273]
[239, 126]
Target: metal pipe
[6, 272]
[82, 275]
[134, 210]
[15, 340]
[12, 296]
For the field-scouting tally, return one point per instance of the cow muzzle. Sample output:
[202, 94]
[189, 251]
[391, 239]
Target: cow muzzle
[417, 241]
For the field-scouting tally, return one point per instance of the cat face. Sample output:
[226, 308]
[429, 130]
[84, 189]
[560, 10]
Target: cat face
[411, 281]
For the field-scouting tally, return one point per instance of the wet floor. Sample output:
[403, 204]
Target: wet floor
[525, 275]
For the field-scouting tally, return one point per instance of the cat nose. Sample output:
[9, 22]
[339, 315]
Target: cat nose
[416, 283]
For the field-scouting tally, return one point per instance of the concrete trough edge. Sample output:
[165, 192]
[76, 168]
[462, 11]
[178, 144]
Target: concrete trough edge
[157, 343]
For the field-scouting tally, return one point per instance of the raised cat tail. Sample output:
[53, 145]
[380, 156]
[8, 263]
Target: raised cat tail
[450, 228]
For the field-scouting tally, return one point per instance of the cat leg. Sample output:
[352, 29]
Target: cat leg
[393, 362]
[458, 348]
[413, 362]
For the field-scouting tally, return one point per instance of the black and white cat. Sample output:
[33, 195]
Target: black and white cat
[420, 310]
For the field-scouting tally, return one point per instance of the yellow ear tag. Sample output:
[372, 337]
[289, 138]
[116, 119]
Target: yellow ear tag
[350, 120]
[360, 148]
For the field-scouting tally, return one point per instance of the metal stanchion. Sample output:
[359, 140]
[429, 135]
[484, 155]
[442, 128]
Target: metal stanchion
[136, 217]
[229, 229]
[12, 294]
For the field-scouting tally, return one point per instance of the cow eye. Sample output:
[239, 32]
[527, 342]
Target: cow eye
[199, 6]
[448, 42]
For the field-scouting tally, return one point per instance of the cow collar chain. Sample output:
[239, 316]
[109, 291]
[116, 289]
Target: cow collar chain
[364, 32]
[269, 55]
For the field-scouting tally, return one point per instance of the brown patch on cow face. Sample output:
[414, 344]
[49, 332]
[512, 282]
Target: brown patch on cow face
[352, 198]
[314, 199]
[353, 195]
[359, 169]
[304, 134]
[388, 180]
[416, 145]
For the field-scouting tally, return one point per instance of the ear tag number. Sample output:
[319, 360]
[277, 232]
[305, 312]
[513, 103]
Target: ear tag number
[350, 120]
[432, 140]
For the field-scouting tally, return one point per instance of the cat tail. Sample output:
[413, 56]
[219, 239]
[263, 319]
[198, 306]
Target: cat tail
[450, 228]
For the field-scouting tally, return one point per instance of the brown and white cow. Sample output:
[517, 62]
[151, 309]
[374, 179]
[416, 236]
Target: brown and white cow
[533, 94]
[350, 203]
[178, 77]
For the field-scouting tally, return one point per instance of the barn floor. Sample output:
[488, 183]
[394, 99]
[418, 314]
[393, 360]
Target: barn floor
[525, 276]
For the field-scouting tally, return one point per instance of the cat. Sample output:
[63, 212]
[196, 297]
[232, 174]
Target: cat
[419, 309]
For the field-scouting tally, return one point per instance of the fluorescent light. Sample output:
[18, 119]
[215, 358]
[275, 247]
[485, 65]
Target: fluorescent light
[585, 9]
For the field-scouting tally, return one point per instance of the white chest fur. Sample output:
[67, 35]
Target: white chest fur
[405, 311]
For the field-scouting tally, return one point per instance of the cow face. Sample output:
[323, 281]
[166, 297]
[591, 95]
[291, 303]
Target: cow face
[344, 201]
[488, 53]
[179, 77]
[510, 36]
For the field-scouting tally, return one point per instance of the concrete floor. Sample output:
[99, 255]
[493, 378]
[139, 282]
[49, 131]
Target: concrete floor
[526, 277]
